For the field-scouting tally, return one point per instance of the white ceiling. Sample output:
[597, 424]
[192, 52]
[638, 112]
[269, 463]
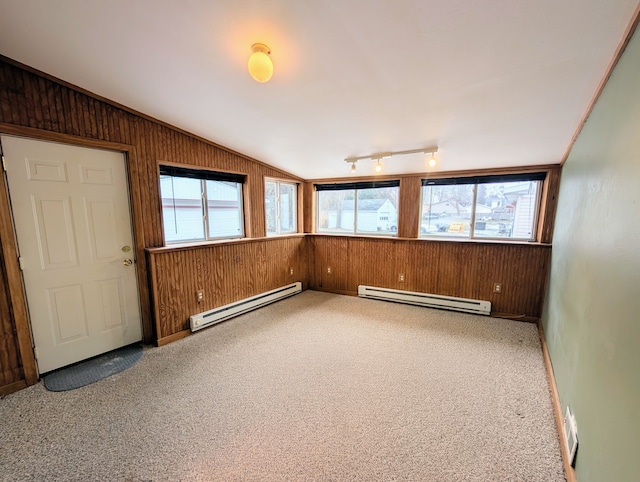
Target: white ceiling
[493, 83]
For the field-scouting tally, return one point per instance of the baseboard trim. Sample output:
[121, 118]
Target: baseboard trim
[569, 471]
[335, 292]
[514, 317]
[12, 387]
[171, 338]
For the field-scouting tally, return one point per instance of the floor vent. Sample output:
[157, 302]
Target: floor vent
[208, 318]
[478, 307]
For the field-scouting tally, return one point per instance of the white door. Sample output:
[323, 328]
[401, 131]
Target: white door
[71, 212]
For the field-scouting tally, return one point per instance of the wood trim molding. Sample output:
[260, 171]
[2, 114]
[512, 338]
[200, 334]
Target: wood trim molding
[15, 287]
[151, 262]
[626, 38]
[439, 174]
[549, 202]
[514, 317]
[335, 292]
[431, 240]
[138, 219]
[211, 244]
[175, 337]
[569, 471]
[42, 135]
[12, 387]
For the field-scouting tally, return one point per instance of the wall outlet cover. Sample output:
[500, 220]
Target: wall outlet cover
[570, 436]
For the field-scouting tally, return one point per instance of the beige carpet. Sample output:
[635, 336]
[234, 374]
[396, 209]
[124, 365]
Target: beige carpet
[315, 387]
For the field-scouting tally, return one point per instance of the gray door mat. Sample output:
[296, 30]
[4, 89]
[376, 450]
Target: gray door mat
[94, 369]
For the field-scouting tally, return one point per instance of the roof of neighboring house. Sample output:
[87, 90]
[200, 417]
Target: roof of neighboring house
[365, 204]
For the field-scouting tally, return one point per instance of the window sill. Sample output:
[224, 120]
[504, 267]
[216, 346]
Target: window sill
[281, 235]
[435, 240]
[205, 244]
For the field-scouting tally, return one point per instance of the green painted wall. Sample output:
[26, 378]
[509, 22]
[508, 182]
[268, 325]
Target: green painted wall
[592, 310]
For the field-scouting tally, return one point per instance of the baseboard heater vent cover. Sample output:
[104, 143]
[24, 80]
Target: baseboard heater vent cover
[208, 318]
[467, 305]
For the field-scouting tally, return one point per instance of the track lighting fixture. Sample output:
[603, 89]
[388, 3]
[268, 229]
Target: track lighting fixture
[377, 158]
[433, 161]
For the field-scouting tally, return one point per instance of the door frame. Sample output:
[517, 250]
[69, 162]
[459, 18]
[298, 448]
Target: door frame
[17, 294]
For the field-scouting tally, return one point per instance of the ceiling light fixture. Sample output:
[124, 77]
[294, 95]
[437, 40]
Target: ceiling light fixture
[381, 155]
[260, 65]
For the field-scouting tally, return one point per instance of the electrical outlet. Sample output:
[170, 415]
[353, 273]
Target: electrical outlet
[200, 296]
[291, 271]
[401, 277]
[571, 435]
[497, 287]
[328, 269]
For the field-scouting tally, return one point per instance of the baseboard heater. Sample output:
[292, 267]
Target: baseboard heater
[478, 307]
[208, 318]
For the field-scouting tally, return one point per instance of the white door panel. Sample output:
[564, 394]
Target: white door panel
[55, 234]
[71, 212]
[67, 311]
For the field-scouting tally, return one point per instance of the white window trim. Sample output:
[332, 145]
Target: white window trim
[205, 215]
[278, 231]
[472, 237]
[355, 231]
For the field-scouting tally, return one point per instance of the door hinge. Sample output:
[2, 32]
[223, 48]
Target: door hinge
[35, 352]
[4, 164]
[21, 263]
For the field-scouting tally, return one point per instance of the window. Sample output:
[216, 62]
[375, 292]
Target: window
[358, 207]
[488, 207]
[280, 203]
[199, 205]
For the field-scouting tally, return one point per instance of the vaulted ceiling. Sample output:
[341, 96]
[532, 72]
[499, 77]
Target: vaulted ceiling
[492, 83]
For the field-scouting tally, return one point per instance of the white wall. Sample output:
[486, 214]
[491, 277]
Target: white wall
[592, 312]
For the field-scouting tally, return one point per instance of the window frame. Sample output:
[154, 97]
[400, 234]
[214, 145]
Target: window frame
[536, 176]
[203, 175]
[357, 186]
[278, 182]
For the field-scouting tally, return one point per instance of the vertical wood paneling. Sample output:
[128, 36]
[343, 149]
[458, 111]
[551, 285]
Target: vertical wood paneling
[50, 108]
[16, 337]
[409, 207]
[226, 272]
[449, 268]
[309, 215]
[10, 364]
[548, 214]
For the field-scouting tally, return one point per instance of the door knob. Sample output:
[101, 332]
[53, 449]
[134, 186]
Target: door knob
[128, 262]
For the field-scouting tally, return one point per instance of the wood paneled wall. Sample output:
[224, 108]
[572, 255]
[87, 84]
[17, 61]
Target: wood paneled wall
[10, 364]
[36, 105]
[449, 268]
[227, 272]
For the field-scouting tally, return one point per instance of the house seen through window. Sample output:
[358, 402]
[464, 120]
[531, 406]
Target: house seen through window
[358, 208]
[200, 205]
[482, 207]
